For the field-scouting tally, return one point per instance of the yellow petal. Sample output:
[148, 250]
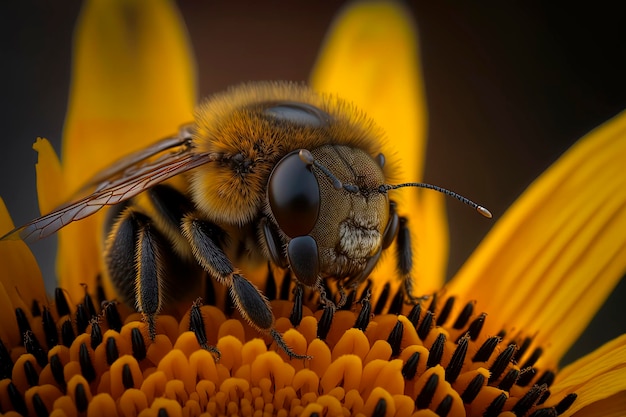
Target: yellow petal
[51, 189]
[133, 83]
[552, 260]
[370, 57]
[599, 380]
[20, 280]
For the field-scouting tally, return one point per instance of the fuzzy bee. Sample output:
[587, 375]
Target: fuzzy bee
[272, 170]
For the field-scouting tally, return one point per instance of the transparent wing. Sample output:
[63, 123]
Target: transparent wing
[127, 178]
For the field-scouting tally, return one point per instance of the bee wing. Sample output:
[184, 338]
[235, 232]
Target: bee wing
[131, 176]
[178, 143]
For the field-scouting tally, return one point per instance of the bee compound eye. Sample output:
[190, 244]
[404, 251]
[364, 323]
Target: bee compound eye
[294, 196]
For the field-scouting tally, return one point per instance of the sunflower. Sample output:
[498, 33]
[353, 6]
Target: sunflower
[486, 343]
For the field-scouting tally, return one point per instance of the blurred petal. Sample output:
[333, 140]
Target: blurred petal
[133, 83]
[20, 280]
[370, 57]
[51, 189]
[552, 260]
[599, 380]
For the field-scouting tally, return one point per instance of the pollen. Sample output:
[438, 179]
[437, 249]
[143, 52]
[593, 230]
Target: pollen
[407, 360]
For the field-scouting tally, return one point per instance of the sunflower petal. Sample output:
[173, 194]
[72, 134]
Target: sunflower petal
[370, 57]
[555, 256]
[50, 184]
[133, 83]
[598, 379]
[21, 283]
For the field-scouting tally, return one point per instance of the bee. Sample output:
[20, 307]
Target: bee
[294, 177]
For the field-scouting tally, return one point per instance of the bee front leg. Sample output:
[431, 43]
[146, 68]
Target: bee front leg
[203, 237]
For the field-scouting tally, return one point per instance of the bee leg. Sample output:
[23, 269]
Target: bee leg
[404, 252]
[203, 237]
[133, 254]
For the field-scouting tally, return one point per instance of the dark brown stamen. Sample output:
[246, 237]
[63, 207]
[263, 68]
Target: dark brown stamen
[22, 321]
[381, 408]
[60, 302]
[425, 397]
[565, 403]
[96, 334]
[436, 351]
[445, 311]
[271, 291]
[32, 377]
[323, 326]
[444, 407]
[509, 379]
[544, 412]
[81, 398]
[35, 310]
[395, 337]
[112, 353]
[473, 388]
[425, 325]
[528, 400]
[532, 359]
[49, 329]
[397, 303]
[432, 307]
[67, 333]
[409, 369]
[86, 366]
[496, 406]
[33, 347]
[476, 326]
[89, 305]
[522, 348]
[296, 312]
[453, 369]
[39, 406]
[486, 349]
[501, 362]
[464, 316]
[382, 299]
[363, 319]
[6, 363]
[127, 377]
[414, 314]
[196, 325]
[546, 394]
[285, 286]
[56, 367]
[546, 378]
[82, 318]
[526, 375]
[113, 317]
[138, 344]
[17, 401]
[162, 413]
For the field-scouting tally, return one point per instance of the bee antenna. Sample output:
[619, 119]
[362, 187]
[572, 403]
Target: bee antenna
[306, 157]
[482, 210]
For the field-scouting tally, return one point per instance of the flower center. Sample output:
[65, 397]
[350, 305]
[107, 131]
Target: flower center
[366, 359]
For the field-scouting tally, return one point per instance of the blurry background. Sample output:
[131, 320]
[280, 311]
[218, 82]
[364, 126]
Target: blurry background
[509, 89]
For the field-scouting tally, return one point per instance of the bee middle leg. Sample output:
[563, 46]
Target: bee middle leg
[204, 238]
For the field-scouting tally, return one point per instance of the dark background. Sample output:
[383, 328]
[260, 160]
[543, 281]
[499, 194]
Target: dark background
[509, 88]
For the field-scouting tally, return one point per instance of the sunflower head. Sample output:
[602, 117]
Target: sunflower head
[487, 343]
